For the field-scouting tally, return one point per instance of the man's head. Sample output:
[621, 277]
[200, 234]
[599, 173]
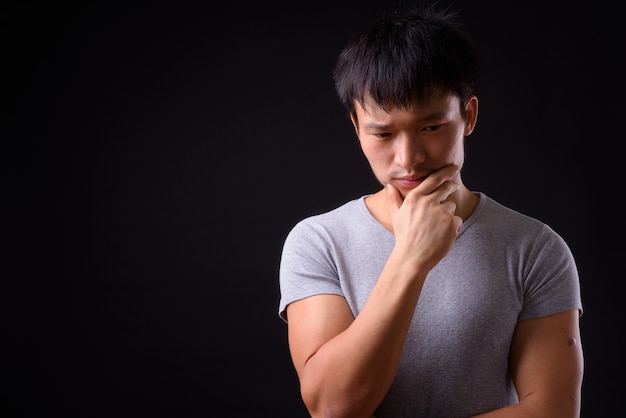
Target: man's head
[407, 82]
[406, 57]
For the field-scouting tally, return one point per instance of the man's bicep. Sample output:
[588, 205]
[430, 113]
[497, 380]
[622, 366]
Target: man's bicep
[547, 361]
[312, 322]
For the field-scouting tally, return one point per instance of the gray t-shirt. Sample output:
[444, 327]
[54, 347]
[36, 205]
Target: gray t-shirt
[504, 267]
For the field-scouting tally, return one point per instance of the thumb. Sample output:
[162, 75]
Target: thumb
[394, 200]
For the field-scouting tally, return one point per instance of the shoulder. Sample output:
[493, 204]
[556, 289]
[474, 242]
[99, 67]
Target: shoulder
[499, 211]
[503, 218]
[337, 218]
[508, 226]
[512, 228]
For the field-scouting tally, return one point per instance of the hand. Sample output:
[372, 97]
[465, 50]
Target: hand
[424, 224]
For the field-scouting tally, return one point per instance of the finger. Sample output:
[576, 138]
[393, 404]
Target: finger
[446, 189]
[449, 206]
[438, 177]
[458, 223]
[438, 195]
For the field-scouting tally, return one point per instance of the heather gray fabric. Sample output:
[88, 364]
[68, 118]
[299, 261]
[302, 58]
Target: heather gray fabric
[503, 268]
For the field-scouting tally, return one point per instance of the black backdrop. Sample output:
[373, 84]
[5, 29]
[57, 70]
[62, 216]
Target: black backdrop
[154, 156]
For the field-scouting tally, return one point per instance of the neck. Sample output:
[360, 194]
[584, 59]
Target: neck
[465, 200]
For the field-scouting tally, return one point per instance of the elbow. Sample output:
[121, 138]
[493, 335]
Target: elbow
[333, 406]
[319, 406]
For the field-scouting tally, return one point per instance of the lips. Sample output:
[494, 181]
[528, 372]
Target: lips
[411, 182]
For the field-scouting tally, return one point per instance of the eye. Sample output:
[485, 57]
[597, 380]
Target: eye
[432, 128]
[381, 135]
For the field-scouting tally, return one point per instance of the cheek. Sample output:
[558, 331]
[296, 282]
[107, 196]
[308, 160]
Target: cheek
[376, 154]
[449, 148]
[456, 152]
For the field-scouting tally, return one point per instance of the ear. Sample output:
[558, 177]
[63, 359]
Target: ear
[355, 123]
[471, 115]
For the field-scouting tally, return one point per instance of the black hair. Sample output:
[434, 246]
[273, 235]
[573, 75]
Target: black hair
[406, 56]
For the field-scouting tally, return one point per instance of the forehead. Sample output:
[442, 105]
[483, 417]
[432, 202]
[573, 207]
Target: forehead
[437, 104]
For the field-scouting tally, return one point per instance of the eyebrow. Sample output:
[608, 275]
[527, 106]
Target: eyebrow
[377, 126]
[436, 115]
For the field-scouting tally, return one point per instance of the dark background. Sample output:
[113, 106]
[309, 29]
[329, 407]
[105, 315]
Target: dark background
[155, 155]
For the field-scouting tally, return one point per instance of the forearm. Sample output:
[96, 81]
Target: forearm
[351, 373]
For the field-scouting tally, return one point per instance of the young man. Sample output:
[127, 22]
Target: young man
[427, 299]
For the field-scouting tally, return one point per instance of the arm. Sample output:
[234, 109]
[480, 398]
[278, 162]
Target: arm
[547, 368]
[346, 365]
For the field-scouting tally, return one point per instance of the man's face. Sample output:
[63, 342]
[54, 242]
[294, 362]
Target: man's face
[404, 145]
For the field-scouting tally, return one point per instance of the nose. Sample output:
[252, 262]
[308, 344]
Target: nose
[408, 151]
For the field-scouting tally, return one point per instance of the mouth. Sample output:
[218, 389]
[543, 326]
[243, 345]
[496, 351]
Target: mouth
[411, 182]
